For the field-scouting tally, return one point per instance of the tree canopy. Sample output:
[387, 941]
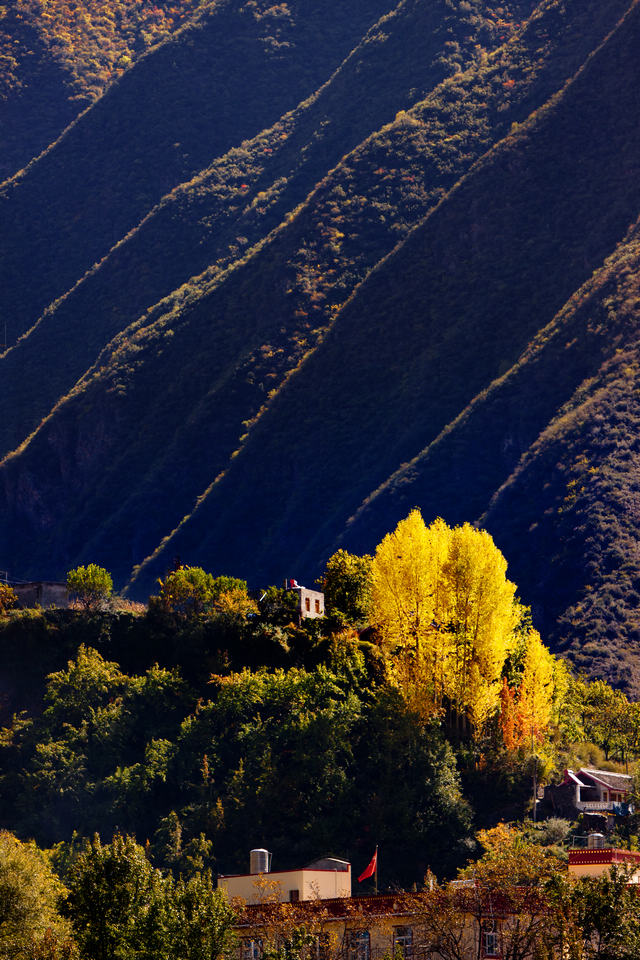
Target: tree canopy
[446, 613]
[90, 586]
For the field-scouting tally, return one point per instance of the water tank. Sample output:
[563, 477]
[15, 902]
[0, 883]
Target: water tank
[595, 841]
[259, 861]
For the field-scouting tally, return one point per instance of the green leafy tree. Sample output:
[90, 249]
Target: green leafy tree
[29, 894]
[117, 903]
[90, 586]
[122, 908]
[347, 587]
[593, 918]
[189, 592]
[202, 919]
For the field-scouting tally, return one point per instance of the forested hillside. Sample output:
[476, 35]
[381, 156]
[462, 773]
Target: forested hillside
[300, 269]
[56, 57]
[213, 720]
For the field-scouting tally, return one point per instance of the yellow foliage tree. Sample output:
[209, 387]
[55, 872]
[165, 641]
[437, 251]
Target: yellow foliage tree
[408, 606]
[535, 699]
[483, 619]
[446, 614]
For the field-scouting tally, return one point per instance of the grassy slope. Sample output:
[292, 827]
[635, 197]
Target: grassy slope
[231, 72]
[243, 195]
[434, 324]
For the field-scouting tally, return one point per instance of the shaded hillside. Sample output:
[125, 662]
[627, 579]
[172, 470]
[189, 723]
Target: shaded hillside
[211, 220]
[403, 320]
[34, 101]
[466, 292]
[221, 79]
[575, 498]
[55, 59]
[549, 517]
[266, 311]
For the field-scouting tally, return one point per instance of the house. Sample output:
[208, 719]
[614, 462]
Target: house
[589, 791]
[275, 906]
[310, 602]
[597, 861]
[403, 926]
[323, 879]
[41, 593]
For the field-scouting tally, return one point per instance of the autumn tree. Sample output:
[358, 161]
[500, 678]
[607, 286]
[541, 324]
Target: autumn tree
[483, 616]
[29, 895]
[527, 712]
[446, 614]
[409, 606]
[8, 598]
[509, 882]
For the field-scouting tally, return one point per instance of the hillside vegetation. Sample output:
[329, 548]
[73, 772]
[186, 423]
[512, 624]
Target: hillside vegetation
[297, 271]
[57, 57]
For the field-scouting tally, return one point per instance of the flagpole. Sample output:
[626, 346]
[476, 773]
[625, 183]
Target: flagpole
[376, 874]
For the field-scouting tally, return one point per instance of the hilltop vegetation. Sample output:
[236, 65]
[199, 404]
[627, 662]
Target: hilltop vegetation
[313, 267]
[426, 671]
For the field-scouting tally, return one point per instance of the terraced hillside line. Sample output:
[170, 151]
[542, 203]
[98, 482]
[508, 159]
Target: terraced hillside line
[57, 59]
[215, 218]
[230, 73]
[548, 499]
[286, 303]
[377, 389]
[574, 499]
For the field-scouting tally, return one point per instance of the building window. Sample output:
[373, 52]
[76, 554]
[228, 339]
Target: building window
[359, 945]
[307, 604]
[490, 939]
[294, 895]
[402, 943]
[251, 949]
[317, 606]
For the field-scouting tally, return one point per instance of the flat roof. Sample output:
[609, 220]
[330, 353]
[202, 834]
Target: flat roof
[272, 873]
[603, 855]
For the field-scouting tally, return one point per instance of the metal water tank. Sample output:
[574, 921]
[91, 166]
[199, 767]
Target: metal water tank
[259, 861]
[595, 841]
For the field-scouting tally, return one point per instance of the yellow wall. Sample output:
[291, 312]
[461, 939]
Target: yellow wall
[310, 884]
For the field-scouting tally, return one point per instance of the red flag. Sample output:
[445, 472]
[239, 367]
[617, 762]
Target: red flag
[371, 869]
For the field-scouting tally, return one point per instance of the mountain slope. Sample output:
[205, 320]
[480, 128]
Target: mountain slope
[574, 500]
[565, 553]
[56, 59]
[236, 202]
[447, 319]
[228, 74]
[524, 223]
[201, 405]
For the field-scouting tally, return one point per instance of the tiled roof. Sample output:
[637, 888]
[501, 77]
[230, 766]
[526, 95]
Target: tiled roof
[617, 781]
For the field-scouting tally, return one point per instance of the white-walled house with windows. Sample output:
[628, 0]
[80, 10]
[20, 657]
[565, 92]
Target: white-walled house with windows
[341, 927]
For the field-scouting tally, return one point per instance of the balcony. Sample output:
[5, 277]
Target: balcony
[596, 806]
